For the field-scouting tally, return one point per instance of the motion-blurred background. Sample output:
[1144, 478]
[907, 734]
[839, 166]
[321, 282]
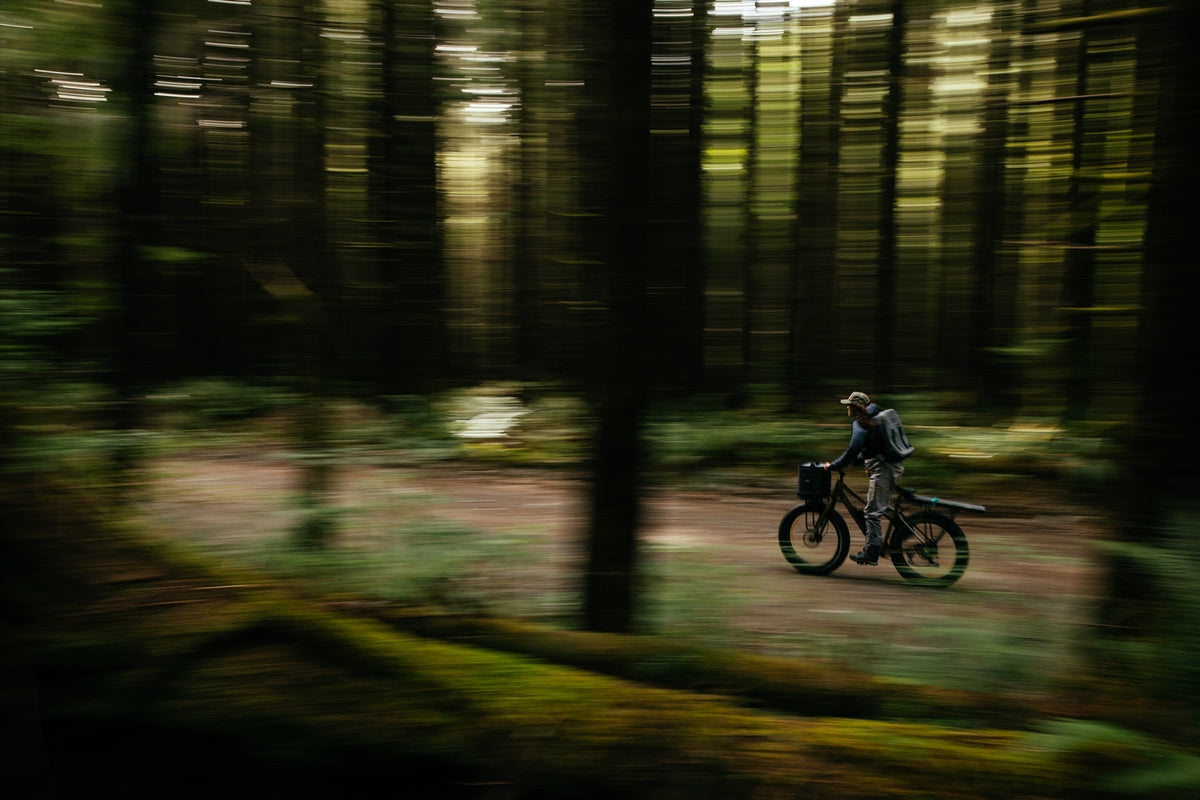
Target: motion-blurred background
[635, 239]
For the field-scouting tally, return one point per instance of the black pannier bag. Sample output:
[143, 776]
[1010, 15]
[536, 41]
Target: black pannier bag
[813, 481]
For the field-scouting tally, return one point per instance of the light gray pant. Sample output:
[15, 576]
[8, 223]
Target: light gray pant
[884, 476]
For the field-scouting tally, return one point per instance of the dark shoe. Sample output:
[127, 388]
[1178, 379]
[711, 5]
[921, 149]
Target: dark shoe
[868, 557]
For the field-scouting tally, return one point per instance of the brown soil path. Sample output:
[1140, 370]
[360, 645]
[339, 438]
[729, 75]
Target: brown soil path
[714, 565]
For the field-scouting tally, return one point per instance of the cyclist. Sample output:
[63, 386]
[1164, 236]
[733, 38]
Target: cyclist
[866, 448]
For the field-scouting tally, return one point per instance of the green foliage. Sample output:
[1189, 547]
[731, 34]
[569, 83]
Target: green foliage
[985, 658]
[1168, 660]
[28, 318]
[175, 261]
[419, 559]
[677, 597]
[683, 441]
[515, 424]
[211, 402]
[1127, 763]
[415, 421]
[48, 402]
[949, 444]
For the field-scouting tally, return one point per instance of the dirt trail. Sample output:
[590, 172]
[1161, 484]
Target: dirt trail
[1030, 586]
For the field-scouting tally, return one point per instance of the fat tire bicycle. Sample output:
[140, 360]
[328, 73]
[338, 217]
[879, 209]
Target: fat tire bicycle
[926, 546]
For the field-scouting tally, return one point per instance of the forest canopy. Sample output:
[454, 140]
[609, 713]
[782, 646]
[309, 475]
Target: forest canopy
[918, 197]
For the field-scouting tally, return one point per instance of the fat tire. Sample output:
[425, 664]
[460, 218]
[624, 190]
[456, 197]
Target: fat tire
[907, 559]
[796, 523]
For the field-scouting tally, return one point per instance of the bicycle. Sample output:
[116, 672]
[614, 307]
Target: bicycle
[927, 547]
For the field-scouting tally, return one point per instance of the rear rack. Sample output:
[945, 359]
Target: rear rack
[938, 502]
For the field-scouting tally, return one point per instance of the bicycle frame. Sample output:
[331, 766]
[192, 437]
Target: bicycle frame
[842, 493]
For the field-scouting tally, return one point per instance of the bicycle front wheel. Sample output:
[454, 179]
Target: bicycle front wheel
[809, 549]
[934, 554]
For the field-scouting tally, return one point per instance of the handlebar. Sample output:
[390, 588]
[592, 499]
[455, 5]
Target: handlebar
[821, 465]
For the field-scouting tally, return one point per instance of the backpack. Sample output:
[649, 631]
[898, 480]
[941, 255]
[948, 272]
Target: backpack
[892, 439]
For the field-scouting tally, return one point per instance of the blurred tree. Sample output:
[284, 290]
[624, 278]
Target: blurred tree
[952, 125]
[1157, 501]
[615, 170]
[750, 257]
[865, 124]
[726, 186]
[776, 60]
[222, 308]
[293, 259]
[317, 264]
[992, 314]
[533, 334]
[1078, 285]
[30, 222]
[139, 325]
[676, 256]
[821, 84]
[409, 313]
[893, 103]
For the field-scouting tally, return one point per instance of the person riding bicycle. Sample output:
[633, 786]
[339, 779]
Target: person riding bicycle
[867, 448]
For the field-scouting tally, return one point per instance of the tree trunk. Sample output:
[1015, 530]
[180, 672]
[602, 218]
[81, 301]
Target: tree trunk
[409, 317]
[676, 262]
[616, 158]
[1157, 500]
[137, 224]
[893, 105]
[1080, 272]
[814, 325]
[992, 288]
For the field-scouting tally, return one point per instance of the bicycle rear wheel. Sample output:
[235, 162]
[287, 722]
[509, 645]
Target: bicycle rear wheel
[809, 550]
[935, 554]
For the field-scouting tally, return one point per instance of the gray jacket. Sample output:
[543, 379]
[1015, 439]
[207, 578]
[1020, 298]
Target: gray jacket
[864, 443]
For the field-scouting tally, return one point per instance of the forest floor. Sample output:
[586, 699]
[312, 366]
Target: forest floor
[714, 573]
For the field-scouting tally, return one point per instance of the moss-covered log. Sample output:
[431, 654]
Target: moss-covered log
[811, 687]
